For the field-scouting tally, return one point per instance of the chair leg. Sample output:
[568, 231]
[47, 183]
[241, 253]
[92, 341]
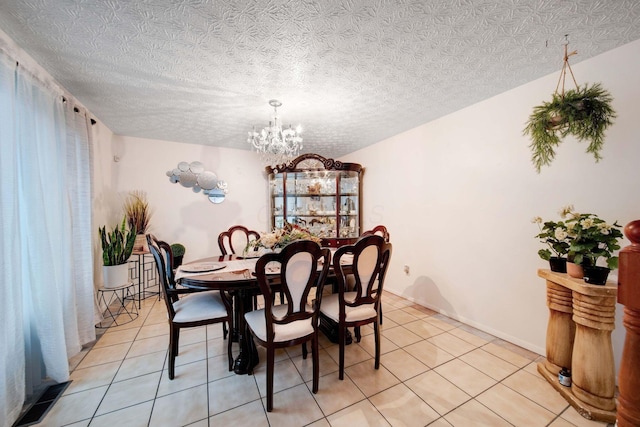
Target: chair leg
[248, 337]
[174, 335]
[270, 363]
[341, 345]
[316, 361]
[175, 342]
[225, 332]
[376, 332]
[380, 314]
[356, 332]
[304, 350]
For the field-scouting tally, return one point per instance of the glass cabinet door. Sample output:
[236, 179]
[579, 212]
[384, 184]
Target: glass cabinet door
[318, 194]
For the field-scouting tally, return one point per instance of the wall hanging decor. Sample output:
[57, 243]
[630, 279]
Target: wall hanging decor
[192, 175]
[584, 112]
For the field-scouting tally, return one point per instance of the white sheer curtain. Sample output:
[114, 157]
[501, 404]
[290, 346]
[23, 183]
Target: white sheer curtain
[46, 305]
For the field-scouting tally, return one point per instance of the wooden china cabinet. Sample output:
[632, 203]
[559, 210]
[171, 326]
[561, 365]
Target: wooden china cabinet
[322, 195]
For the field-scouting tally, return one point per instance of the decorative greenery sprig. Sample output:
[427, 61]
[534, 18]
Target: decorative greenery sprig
[583, 112]
[117, 245]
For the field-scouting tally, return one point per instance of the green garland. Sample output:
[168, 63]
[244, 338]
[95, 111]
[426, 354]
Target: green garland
[584, 113]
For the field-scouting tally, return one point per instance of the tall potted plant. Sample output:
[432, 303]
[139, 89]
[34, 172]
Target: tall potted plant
[117, 246]
[138, 215]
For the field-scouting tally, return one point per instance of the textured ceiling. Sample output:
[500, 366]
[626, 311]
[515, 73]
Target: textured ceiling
[351, 72]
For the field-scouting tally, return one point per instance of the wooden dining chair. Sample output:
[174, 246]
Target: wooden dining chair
[379, 230]
[296, 270]
[187, 308]
[171, 269]
[360, 306]
[235, 239]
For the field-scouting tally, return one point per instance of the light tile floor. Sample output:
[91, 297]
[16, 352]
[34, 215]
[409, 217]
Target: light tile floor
[434, 371]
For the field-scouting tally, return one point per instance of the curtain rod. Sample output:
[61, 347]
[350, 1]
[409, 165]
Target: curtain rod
[77, 110]
[12, 51]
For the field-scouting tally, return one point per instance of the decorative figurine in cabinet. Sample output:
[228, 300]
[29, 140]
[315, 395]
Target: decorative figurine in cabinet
[319, 194]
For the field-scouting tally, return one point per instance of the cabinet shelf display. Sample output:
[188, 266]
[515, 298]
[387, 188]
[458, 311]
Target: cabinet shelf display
[322, 195]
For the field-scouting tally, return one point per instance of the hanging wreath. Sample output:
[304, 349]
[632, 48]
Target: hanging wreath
[584, 112]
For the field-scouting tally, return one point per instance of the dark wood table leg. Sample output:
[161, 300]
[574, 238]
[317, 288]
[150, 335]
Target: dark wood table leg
[233, 328]
[330, 329]
[248, 356]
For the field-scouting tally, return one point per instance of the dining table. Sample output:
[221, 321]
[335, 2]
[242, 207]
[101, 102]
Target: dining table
[236, 275]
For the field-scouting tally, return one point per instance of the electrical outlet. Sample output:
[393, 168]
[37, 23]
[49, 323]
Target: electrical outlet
[406, 270]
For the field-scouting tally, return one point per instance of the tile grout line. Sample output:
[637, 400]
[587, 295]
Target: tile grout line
[290, 358]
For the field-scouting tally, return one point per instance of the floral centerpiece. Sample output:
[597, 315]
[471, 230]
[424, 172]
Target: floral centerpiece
[279, 238]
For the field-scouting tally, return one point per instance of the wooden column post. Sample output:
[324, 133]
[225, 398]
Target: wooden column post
[629, 296]
[581, 318]
[561, 329]
[593, 370]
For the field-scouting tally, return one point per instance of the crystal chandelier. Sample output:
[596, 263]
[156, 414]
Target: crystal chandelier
[275, 145]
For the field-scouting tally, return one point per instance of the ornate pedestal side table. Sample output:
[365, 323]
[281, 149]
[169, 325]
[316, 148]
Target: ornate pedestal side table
[581, 318]
[116, 305]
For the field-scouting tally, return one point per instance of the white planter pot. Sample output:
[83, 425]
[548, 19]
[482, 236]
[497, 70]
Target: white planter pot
[115, 275]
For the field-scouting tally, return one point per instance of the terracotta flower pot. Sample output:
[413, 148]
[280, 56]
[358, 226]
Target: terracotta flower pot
[575, 270]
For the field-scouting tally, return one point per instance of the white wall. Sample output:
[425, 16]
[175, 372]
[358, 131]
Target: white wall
[179, 214]
[458, 195]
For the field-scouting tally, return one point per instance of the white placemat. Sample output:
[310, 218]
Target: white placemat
[202, 267]
[227, 266]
